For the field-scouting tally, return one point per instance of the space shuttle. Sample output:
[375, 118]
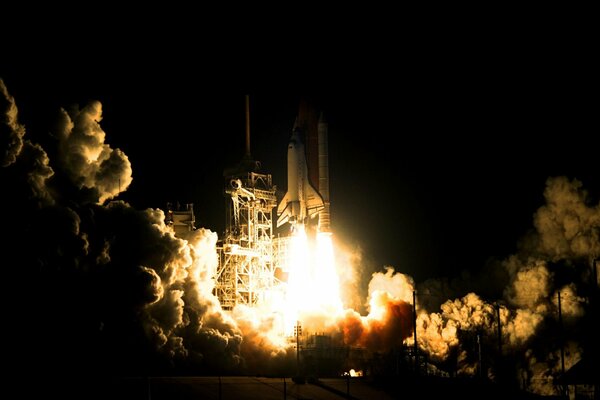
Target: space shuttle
[302, 201]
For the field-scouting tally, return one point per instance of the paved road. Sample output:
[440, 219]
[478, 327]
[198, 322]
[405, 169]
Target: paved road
[359, 389]
[239, 388]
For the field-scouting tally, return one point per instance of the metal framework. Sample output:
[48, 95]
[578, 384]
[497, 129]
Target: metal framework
[181, 221]
[246, 270]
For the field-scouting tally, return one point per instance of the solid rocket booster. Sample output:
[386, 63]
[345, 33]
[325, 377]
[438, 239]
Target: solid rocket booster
[324, 218]
[301, 200]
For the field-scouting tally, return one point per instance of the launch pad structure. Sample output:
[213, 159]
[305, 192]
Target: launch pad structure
[252, 261]
[248, 254]
[246, 270]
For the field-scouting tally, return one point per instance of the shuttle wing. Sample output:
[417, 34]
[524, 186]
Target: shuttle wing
[284, 203]
[287, 210]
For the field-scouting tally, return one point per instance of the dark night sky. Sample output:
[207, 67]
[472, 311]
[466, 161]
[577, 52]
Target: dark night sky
[433, 170]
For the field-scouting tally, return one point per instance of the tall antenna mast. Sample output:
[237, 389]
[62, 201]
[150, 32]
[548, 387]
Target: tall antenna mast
[247, 126]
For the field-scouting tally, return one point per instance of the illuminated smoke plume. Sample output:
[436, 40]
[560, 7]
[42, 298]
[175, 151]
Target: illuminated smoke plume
[11, 132]
[572, 303]
[29, 164]
[109, 288]
[389, 321]
[440, 333]
[470, 312]
[567, 227]
[436, 335]
[89, 162]
[350, 266]
[558, 256]
[211, 334]
[519, 325]
[554, 259]
[399, 286]
[530, 286]
[264, 349]
[168, 281]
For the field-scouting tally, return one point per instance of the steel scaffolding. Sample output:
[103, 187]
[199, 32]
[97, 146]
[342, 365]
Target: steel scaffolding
[246, 270]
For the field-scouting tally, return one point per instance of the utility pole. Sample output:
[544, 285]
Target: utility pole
[479, 353]
[499, 329]
[596, 283]
[499, 362]
[298, 332]
[247, 126]
[562, 344]
[416, 346]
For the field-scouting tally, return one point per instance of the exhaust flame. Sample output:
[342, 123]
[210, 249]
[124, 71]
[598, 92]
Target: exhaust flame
[313, 284]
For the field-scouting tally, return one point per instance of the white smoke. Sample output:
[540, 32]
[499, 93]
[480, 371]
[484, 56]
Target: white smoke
[571, 303]
[439, 333]
[88, 160]
[264, 349]
[399, 286]
[350, 266]
[530, 286]
[436, 335]
[470, 312]
[519, 326]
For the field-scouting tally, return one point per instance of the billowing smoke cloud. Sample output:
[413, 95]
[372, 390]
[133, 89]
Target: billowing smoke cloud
[112, 289]
[436, 335]
[397, 285]
[168, 280]
[519, 325]
[572, 305]
[28, 162]
[554, 259]
[440, 333]
[567, 227]
[264, 349]
[352, 270]
[11, 132]
[389, 321]
[33, 167]
[88, 161]
[530, 286]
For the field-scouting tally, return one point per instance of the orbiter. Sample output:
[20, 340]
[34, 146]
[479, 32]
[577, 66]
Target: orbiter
[302, 200]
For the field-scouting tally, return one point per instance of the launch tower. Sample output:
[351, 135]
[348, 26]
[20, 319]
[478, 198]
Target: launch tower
[253, 263]
[246, 270]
